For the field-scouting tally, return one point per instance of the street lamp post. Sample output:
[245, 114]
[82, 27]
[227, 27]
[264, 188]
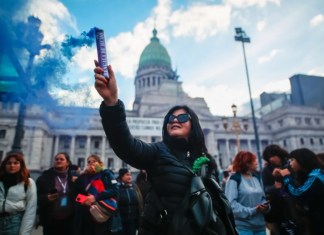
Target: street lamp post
[242, 37]
[236, 126]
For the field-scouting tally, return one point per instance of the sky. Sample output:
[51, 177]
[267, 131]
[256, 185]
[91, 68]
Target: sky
[286, 39]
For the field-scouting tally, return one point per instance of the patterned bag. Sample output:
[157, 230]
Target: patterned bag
[102, 210]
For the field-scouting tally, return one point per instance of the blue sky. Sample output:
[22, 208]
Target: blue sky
[286, 39]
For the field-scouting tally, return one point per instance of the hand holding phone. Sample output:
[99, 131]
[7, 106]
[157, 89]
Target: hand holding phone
[81, 198]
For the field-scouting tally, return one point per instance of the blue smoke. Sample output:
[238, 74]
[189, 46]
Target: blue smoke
[21, 42]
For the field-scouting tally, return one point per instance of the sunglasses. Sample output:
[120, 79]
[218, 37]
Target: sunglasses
[182, 118]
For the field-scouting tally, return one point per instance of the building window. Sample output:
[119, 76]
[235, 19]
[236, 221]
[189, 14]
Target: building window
[308, 121]
[3, 134]
[148, 82]
[301, 141]
[298, 120]
[285, 143]
[321, 141]
[311, 141]
[81, 162]
[110, 163]
[317, 121]
[82, 143]
[96, 144]
[280, 122]
[153, 81]
[270, 127]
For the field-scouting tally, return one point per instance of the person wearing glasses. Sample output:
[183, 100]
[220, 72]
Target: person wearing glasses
[84, 224]
[55, 204]
[183, 142]
[18, 199]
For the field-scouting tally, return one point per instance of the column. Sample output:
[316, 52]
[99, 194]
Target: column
[72, 149]
[88, 146]
[249, 145]
[227, 152]
[103, 147]
[56, 146]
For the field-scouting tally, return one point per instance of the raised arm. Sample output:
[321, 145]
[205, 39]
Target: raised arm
[107, 88]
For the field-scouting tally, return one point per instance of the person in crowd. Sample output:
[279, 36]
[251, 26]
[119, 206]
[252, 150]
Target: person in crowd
[55, 203]
[75, 171]
[18, 199]
[83, 221]
[183, 142]
[130, 202]
[142, 183]
[321, 157]
[282, 219]
[308, 188]
[226, 174]
[244, 190]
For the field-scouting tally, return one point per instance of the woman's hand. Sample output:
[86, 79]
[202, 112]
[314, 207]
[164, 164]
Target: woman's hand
[107, 89]
[90, 199]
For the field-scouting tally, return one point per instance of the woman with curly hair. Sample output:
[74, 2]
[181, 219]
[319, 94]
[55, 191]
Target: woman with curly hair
[18, 200]
[244, 190]
[84, 224]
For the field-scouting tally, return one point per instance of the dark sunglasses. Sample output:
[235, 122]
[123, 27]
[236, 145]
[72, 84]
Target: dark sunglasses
[182, 118]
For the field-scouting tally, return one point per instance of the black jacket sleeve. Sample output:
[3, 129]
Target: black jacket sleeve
[132, 150]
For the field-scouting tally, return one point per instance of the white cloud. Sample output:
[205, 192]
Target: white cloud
[275, 86]
[125, 49]
[51, 13]
[249, 3]
[200, 21]
[316, 20]
[267, 58]
[318, 71]
[261, 25]
[219, 97]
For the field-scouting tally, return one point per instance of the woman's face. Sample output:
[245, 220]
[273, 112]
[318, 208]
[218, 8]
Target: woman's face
[12, 165]
[253, 166]
[275, 160]
[294, 165]
[91, 161]
[60, 162]
[179, 126]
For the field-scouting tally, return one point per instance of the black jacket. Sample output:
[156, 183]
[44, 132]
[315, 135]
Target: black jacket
[169, 178]
[45, 183]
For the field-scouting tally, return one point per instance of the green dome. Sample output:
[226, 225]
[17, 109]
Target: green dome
[154, 53]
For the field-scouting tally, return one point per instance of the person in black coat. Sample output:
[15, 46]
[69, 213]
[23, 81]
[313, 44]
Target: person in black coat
[55, 204]
[130, 202]
[183, 143]
[307, 188]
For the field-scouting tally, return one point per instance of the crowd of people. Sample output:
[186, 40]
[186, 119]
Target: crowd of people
[285, 197]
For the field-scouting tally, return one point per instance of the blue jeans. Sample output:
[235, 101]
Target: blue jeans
[247, 232]
[10, 225]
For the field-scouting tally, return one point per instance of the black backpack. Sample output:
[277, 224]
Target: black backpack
[204, 210]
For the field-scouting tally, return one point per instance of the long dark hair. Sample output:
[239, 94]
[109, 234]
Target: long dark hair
[307, 160]
[23, 173]
[275, 150]
[196, 139]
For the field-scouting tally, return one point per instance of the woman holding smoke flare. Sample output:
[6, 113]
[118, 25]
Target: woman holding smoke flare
[183, 143]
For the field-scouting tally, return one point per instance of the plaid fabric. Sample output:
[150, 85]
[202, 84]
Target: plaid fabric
[97, 187]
